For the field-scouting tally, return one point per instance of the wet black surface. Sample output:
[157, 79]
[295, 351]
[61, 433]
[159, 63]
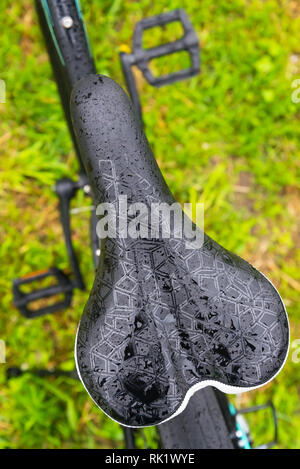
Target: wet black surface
[161, 317]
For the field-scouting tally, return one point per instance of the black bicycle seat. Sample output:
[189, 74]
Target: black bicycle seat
[163, 320]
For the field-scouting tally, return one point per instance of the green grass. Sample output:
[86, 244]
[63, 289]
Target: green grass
[229, 138]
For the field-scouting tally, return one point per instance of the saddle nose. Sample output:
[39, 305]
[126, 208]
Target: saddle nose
[164, 318]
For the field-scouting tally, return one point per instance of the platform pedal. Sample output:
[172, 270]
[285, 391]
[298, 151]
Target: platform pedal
[22, 300]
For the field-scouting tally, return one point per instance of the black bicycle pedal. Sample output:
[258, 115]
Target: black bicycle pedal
[16, 372]
[22, 300]
[142, 57]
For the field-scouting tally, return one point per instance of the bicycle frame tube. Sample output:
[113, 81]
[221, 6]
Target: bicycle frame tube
[68, 47]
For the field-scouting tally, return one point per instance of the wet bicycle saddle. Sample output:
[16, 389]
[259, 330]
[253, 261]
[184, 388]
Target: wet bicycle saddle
[164, 318]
